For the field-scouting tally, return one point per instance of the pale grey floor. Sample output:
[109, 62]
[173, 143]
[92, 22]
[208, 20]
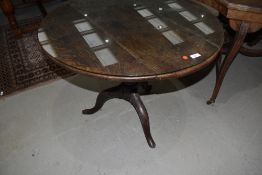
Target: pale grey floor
[43, 132]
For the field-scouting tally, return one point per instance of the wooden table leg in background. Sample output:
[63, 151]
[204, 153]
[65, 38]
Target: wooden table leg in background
[253, 40]
[237, 43]
[8, 9]
[244, 17]
[251, 52]
[41, 8]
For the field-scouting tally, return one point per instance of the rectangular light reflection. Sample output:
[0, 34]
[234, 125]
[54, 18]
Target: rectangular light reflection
[145, 13]
[188, 16]
[175, 6]
[106, 57]
[173, 37]
[82, 25]
[43, 39]
[93, 40]
[204, 28]
[157, 23]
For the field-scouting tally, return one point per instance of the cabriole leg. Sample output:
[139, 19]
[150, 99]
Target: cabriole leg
[128, 92]
[237, 43]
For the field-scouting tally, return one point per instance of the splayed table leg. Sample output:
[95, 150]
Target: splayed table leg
[128, 92]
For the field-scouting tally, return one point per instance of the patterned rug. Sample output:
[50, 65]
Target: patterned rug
[22, 62]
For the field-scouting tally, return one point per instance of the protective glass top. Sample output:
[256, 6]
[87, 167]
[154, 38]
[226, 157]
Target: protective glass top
[131, 38]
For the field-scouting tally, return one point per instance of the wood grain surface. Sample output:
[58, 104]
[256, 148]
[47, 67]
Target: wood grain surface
[141, 50]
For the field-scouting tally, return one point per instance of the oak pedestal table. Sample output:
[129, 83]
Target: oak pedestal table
[131, 42]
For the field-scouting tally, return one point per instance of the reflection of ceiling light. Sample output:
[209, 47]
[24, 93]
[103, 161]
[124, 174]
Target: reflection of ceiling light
[160, 27]
[134, 5]
[1, 93]
[107, 40]
[202, 16]
[160, 8]
[85, 14]
[196, 55]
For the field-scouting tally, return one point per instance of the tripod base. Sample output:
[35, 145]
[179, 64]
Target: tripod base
[128, 92]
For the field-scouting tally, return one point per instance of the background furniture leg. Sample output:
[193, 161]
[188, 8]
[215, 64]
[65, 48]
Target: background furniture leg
[252, 40]
[8, 9]
[41, 8]
[251, 52]
[237, 43]
[218, 65]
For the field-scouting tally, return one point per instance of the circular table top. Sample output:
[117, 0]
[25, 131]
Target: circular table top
[131, 40]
